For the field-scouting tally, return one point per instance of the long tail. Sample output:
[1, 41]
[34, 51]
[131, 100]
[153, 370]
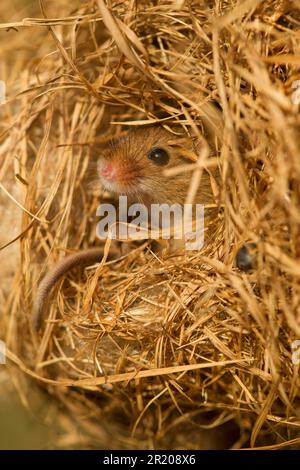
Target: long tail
[81, 258]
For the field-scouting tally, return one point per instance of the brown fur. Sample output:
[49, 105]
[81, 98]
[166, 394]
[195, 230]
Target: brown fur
[144, 181]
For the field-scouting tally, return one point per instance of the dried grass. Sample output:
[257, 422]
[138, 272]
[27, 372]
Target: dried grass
[175, 345]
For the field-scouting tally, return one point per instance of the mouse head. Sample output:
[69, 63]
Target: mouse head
[134, 165]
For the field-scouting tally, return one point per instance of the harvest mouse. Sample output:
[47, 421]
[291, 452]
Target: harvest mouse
[133, 165]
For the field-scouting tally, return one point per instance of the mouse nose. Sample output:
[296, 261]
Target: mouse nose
[108, 171]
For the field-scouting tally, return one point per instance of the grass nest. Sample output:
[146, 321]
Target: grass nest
[176, 350]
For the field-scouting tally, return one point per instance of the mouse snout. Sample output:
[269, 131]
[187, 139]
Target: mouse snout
[108, 171]
[116, 176]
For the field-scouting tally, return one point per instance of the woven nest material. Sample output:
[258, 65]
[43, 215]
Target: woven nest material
[169, 350]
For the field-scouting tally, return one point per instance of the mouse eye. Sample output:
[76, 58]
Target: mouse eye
[159, 156]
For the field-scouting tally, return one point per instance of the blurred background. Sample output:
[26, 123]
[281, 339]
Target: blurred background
[19, 429]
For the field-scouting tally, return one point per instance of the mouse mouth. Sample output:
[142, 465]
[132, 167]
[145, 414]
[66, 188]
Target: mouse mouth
[114, 179]
[124, 187]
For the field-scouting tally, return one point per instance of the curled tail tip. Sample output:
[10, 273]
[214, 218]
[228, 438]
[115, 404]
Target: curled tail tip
[50, 279]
